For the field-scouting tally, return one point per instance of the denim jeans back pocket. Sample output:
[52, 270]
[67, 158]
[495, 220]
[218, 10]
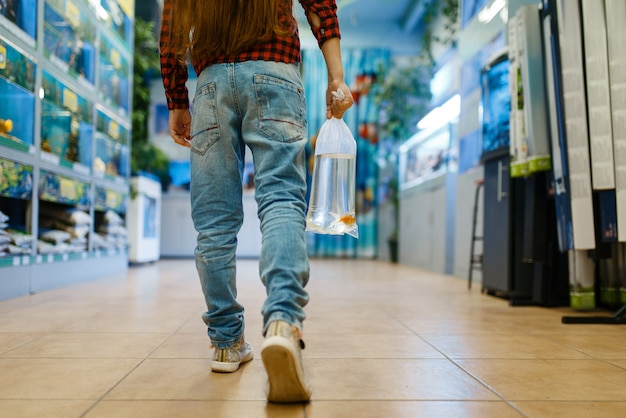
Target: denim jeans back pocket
[205, 129]
[281, 108]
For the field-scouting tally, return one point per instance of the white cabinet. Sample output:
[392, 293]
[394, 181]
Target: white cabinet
[144, 220]
[179, 236]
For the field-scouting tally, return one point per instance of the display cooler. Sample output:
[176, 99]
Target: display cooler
[144, 220]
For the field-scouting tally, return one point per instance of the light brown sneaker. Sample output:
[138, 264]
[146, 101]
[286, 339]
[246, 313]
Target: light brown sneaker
[282, 358]
[228, 360]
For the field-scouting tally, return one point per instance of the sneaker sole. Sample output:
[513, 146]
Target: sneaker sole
[286, 380]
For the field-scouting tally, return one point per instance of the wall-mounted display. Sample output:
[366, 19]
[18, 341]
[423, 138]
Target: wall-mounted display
[17, 100]
[114, 76]
[112, 149]
[66, 129]
[69, 37]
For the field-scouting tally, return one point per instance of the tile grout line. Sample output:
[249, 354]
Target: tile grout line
[4, 353]
[115, 385]
[475, 378]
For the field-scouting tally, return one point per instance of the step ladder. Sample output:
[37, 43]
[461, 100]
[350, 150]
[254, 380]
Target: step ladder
[476, 260]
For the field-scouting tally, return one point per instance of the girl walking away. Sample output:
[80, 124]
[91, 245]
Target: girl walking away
[246, 54]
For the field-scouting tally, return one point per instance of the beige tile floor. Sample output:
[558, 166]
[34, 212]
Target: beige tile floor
[382, 341]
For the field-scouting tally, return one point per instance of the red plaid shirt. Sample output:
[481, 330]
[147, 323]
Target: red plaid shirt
[279, 48]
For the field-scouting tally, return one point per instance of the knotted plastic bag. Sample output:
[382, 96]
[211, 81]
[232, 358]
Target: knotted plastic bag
[332, 203]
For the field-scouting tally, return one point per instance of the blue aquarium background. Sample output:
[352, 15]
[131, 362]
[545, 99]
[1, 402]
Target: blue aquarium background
[113, 75]
[23, 13]
[56, 126]
[119, 21]
[17, 99]
[18, 105]
[496, 101]
[65, 42]
[112, 153]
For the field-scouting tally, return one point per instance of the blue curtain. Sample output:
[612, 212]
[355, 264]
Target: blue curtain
[360, 67]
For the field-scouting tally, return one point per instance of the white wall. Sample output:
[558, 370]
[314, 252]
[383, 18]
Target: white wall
[423, 228]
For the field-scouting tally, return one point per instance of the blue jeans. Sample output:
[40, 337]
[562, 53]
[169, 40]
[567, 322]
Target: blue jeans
[259, 104]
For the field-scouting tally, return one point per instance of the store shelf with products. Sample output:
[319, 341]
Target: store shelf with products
[17, 98]
[65, 93]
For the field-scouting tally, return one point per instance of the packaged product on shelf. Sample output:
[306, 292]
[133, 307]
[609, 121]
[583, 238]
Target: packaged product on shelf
[77, 245]
[21, 242]
[63, 241]
[113, 218]
[14, 250]
[55, 237]
[113, 231]
[3, 221]
[72, 221]
[44, 247]
[100, 242]
[13, 242]
[5, 241]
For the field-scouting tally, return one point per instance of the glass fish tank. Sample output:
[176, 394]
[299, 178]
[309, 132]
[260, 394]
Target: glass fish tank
[17, 98]
[496, 107]
[22, 13]
[426, 155]
[112, 147]
[69, 37]
[109, 199]
[66, 129]
[57, 188]
[16, 180]
[113, 76]
[117, 16]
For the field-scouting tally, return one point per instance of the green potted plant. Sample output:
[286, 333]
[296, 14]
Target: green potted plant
[402, 94]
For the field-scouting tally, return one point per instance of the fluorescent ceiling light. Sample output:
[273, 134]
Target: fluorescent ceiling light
[491, 11]
[441, 115]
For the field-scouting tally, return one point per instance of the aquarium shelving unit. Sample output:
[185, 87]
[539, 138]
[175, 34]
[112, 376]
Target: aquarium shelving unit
[65, 93]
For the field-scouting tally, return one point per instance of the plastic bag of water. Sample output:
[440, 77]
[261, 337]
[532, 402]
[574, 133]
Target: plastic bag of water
[332, 203]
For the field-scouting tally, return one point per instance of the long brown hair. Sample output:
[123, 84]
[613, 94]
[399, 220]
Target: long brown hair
[226, 27]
